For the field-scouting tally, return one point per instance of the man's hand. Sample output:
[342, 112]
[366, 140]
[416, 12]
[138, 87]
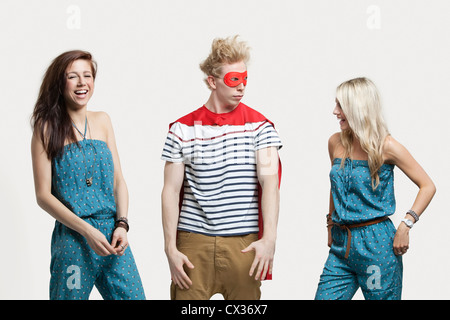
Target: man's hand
[264, 253]
[176, 261]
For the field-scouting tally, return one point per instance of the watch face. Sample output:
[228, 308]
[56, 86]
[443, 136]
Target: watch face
[408, 222]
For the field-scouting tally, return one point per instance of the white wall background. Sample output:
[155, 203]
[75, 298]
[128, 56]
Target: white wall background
[148, 53]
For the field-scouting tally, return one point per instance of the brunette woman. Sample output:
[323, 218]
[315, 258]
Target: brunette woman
[79, 182]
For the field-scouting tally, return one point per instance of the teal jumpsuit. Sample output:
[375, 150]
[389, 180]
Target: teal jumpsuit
[75, 267]
[371, 263]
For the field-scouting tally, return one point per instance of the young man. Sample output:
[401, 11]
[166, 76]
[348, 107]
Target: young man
[221, 187]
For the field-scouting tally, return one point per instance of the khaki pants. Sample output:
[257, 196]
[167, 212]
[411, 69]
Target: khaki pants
[219, 267]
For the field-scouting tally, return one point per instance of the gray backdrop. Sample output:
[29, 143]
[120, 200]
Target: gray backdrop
[148, 53]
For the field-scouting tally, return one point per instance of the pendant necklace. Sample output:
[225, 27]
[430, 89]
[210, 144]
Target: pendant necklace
[88, 178]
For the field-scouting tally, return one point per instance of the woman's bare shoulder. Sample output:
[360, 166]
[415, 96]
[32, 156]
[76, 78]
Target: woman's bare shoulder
[392, 150]
[100, 116]
[333, 142]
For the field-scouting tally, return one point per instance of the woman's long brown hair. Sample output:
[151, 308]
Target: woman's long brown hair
[50, 119]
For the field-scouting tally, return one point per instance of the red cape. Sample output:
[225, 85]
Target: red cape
[241, 115]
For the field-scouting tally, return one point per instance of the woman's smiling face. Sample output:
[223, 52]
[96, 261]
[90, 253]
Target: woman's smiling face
[79, 84]
[340, 116]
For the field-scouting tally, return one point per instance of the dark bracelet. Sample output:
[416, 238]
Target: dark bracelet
[329, 220]
[414, 215]
[122, 222]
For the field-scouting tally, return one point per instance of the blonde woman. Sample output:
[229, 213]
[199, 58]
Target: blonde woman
[365, 248]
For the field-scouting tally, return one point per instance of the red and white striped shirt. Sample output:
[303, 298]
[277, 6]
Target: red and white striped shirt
[220, 192]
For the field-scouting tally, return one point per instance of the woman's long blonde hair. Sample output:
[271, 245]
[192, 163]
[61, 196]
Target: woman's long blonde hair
[360, 102]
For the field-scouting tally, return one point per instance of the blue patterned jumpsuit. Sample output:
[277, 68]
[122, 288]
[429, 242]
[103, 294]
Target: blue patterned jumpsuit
[371, 264]
[75, 267]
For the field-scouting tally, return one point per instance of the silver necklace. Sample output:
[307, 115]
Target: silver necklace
[88, 178]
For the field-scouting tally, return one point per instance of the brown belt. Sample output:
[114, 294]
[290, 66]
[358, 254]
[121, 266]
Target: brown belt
[356, 225]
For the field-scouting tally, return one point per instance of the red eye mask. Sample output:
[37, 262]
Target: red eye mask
[233, 79]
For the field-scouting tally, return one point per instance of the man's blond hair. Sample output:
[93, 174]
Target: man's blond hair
[224, 51]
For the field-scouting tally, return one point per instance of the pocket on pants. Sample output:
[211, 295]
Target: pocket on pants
[247, 239]
[184, 240]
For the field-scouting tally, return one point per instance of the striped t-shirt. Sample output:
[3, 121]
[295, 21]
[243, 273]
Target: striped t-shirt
[220, 193]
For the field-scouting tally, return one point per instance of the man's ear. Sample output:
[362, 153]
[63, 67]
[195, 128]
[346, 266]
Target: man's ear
[211, 81]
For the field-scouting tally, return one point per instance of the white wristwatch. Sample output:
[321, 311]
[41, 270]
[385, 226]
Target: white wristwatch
[408, 223]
